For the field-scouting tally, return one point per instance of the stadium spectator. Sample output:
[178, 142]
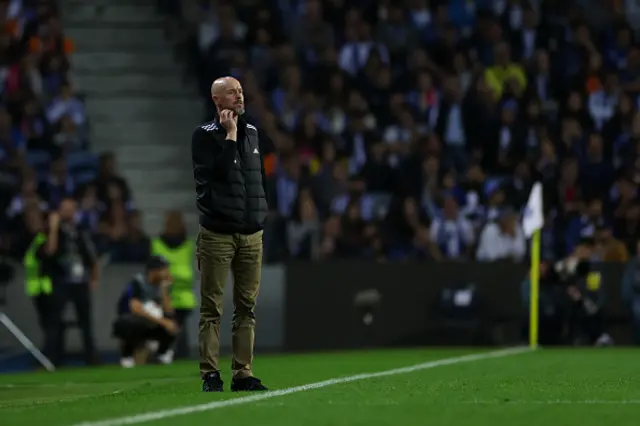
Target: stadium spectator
[28, 195]
[44, 149]
[452, 233]
[134, 246]
[502, 240]
[406, 233]
[469, 102]
[59, 184]
[303, 230]
[66, 105]
[113, 228]
[609, 248]
[108, 183]
[89, 209]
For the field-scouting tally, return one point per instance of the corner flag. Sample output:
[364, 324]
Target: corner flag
[533, 219]
[532, 223]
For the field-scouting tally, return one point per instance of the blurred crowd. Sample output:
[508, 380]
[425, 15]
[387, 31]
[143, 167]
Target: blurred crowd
[44, 149]
[410, 129]
[415, 129]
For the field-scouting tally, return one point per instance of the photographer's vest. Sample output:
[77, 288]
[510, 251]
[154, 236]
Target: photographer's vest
[36, 283]
[181, 268]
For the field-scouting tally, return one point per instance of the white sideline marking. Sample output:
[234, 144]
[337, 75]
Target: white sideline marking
[163, 414]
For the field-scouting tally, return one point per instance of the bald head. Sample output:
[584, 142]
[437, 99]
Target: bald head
[221, 84]
[226, 93]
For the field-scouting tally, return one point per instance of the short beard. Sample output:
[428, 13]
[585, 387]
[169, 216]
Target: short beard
[236, 109]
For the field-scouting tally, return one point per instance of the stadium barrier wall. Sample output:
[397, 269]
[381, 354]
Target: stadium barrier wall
[270, 311]
[319, 306]
[324, 308]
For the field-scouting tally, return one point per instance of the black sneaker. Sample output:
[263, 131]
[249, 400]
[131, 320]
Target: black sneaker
[248, 384]
[212, 383]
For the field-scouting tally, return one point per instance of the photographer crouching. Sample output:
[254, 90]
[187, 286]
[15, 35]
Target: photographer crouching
[570, 300]
[145, 314]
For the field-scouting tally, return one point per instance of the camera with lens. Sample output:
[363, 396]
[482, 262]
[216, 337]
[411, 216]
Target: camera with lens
[569, 270]
[576, 267]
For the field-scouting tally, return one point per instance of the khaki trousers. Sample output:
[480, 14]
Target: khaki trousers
[217, 254]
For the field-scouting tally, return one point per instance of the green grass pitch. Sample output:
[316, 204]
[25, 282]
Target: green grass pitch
[567, 387]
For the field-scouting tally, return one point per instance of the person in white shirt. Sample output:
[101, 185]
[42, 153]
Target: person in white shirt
[451, 232]
[502, 240]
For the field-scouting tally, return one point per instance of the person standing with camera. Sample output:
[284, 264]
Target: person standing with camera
[73, 267]
[37, 284]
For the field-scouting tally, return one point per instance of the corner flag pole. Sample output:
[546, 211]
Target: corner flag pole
[532, 224]
[534, 289]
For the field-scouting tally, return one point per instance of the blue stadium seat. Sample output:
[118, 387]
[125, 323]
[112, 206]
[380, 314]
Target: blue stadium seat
[85, 176]
[38, 158]
[81, 161]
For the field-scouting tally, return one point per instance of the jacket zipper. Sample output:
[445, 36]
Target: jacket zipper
[243, 163]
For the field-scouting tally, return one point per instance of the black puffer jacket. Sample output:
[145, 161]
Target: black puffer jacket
[230, 179]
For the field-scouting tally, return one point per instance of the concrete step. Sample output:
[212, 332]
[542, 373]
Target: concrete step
[118, 61]
[166, 153]
[139, 137]
[151, 121]
[152, 162]
[115, 12]
[110, 142]
[173, 158]
[119, 25]
[115, 93]
[67, 4]
[91, 38]
[143, 134]
[121, 84]
[157, 178]
[163, 200]
[131, 110]
[101, 21]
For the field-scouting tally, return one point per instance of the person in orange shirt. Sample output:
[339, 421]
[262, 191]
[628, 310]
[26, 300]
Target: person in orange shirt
[609, 248]
[51, 40]
[594, 74]
[47, 43]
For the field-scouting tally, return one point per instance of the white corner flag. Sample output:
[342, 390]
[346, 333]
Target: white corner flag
[533, 218]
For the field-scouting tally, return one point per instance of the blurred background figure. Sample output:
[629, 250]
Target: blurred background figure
[38, 284]
[571, 300]
[178, 249]
[73, 267]
[144, 321]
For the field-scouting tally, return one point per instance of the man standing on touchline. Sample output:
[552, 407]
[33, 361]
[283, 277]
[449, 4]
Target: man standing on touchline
[231, 196]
